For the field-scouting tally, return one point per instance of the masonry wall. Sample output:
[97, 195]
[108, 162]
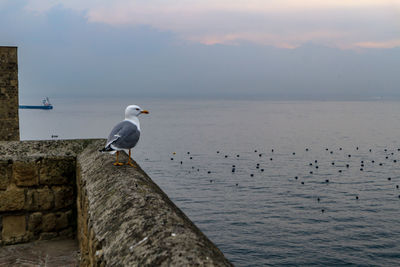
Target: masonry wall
[37, 197]
[125, 219]
[38, 189]
[9, 123]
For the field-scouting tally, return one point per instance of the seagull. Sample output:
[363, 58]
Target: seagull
[125, 135]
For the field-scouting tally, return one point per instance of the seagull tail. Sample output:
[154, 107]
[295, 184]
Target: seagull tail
[107, 149]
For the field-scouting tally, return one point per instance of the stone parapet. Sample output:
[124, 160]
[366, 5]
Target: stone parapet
[125, 219]
[50, 189]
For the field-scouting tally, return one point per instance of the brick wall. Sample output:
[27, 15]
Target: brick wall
[37, 199]
[9, 129]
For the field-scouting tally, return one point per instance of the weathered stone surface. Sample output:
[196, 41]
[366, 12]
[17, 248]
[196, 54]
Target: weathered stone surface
[25, 173]
[69, 232]
[49, 222]
[57, 171]
[61, 220]
[132, 222]
[5, 174]
[12, 199]
[39, 199]
[15, 150]
[9, 124]
[35, 200]
[70, 217]
[9, 129]
[35, 222]
[124, 218]
[14, 229]
[63, 196]
[54, 253]
[48, 236]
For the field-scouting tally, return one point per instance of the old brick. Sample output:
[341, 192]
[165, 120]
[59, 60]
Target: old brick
[57, 171]
[14, 229]
[25, 173]
[35, 222]
[5, 174]
[39, 199]
[12, 199]
[49, 222]
[63, 196]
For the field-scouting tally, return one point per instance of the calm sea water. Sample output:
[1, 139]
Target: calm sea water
[343, 212]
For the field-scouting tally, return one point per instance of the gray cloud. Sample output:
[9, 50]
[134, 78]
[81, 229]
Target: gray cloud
[285, 23]
[62, 54]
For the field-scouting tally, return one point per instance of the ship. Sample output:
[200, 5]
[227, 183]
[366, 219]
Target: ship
[45, 105]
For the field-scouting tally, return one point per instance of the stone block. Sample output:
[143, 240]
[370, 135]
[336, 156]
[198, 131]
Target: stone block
[39, 199]
[70, 217]
[63, 196]
[25, 173]
[14, 229]
[5, 174]
[9, 130]
[35, 222]
[69, 232]
[61, 220]
[48, 236]
[9, 93]
[12, 199]
[49, 222]
[57, 171]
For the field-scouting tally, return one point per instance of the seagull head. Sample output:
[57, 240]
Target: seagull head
[134, 111]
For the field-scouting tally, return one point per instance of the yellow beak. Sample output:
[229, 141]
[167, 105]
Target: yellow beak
[144, 111]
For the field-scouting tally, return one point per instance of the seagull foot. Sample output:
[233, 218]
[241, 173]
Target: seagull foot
[130, 164]
[118, 164]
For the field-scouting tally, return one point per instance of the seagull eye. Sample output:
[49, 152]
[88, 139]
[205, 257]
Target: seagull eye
[136, 108]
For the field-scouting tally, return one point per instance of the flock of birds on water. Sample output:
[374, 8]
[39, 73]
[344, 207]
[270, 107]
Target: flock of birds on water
[342, 165]
[125, 135]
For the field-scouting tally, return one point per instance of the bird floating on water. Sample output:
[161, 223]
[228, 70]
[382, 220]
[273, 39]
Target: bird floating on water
[125, 135]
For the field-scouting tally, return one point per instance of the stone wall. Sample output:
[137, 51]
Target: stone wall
[9, 129]
[37, 197]
[123, 217]
[38, 190]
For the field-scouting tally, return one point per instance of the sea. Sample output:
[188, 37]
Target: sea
[271, 183]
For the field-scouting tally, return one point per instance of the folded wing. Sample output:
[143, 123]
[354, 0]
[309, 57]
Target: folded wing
[124, 135]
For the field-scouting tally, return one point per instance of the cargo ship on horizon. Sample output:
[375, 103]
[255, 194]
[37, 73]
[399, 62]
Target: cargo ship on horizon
[45, 105]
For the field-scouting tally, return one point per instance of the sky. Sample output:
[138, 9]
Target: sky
[286, 49]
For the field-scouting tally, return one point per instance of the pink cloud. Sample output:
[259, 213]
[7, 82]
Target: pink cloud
[283, 23]
[385, 44]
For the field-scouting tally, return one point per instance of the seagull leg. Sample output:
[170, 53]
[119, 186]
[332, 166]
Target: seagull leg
[117, 163]
[129, 160]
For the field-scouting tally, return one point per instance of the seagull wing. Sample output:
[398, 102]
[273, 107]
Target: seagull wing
[124, 135]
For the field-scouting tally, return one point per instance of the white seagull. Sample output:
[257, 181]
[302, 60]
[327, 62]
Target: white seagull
[125, 135]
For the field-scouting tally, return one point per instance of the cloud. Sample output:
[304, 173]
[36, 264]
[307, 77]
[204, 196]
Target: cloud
[388, 44]
[285, 23]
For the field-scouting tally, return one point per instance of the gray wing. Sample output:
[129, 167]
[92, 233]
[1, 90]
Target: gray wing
[124, 135]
